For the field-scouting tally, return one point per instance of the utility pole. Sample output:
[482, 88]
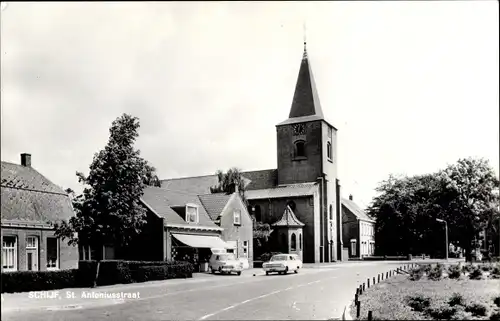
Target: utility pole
[446, 235]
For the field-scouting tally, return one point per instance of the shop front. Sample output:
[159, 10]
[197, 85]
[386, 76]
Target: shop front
[196, 249]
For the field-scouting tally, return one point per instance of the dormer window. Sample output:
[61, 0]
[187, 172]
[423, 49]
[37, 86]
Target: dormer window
[192, 213]
[237, 217]
[329, 150]
[300, 149]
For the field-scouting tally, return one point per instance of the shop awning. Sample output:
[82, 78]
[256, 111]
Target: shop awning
[201, 241]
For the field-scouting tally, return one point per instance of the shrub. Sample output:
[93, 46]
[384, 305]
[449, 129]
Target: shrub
[495, 316]
[442, 313]
[426, 268]
[418, 303]
[456, 299]
[495, 272]
[23, 281]
[476, 274]
[416, 274]
[497, 301]
[487, 267]
[477, 309]
[454, 271]
[468, 267]
[435, 273]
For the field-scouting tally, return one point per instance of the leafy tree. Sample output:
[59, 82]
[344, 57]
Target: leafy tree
[406, 208]
[151, 178]
[109, 210]
[473, 184]
[227, 183]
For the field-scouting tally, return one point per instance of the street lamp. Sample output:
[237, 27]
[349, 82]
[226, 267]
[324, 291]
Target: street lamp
[446, 235]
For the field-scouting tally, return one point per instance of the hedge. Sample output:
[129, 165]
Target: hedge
[110, 272]
[23, 281]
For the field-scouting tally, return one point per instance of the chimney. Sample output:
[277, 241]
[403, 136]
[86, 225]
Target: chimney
[26, 159]
[350, 197]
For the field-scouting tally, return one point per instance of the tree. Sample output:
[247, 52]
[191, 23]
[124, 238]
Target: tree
[406, 208]
[109, 210]
[227, 183]
[151, 179]
[473, 184]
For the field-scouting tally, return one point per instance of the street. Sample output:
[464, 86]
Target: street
[313, 293]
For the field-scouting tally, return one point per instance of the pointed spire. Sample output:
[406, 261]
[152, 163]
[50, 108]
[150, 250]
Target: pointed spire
[305, 99]
[304, 55]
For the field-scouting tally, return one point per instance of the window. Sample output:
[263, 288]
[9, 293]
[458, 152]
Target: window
[300, 241]
[293, 242]
[329, 150]
[191, 213]
[353, 247]
[245, 248]
[9, 253]
[52, 253]
[331, 212]
[32, 253]
[237, 217]
[300, 150]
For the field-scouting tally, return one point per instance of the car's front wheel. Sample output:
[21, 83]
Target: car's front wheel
[239, 272]
[212, 270]
[267, 272]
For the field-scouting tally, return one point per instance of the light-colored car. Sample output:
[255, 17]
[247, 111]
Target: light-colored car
[225, 263]
[283, 263]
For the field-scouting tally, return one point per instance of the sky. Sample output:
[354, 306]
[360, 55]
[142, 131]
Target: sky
[410, 86]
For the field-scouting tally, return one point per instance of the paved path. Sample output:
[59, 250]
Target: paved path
[314, 294]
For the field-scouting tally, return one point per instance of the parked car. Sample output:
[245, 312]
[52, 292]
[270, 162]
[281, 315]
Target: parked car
[283, 263]
[225, 263]
[244, 262]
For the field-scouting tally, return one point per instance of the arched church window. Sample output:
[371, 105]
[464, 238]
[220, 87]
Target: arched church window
[331, 212]
[329, 150]
[300, 241]
[293, 242]
[291, 204]
[300, 148]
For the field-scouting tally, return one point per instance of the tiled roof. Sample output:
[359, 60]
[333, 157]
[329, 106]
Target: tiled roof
[214, 203]
[293, 190]
[28, 196]
[288, 219]
[162, 200]
[201, 184]
[355, 210]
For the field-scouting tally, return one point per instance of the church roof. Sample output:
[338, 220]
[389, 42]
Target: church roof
[199, 185]
[283, 191]
[288, 219]
[355, 210]
[305, 99]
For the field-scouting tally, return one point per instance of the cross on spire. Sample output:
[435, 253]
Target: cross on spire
[304, 56]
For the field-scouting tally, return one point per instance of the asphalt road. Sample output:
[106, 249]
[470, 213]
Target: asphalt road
[313, 294]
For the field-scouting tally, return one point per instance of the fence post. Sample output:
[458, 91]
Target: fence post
[373, 280]
[360, 289]
[358, 309]
[368, 283]
[364, 287]
[357, 291]
[356, 298]
[378, 278]
[370, 316]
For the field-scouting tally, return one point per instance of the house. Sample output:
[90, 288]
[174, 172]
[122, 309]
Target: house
[358, 229]
[304, 184]
[185, 226]
[31, 204]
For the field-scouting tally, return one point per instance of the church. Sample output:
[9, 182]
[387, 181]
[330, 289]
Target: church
[301, 198]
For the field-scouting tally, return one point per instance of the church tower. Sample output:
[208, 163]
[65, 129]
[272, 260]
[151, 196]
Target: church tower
[307, 152]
